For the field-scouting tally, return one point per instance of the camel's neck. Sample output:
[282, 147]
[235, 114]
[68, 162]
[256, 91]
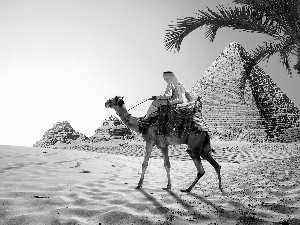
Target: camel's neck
[130, 121]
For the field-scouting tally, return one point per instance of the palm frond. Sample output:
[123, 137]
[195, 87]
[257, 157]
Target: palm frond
[286, 13]
[285, 53]
[248, 2]
[211, 31]
[285, 60]
[243, 18]
[180, 30]
[265, 51]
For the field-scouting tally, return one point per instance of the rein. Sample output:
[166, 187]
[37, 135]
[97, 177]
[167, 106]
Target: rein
[138, 104]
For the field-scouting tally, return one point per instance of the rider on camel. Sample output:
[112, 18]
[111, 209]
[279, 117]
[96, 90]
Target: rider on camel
[175, 94]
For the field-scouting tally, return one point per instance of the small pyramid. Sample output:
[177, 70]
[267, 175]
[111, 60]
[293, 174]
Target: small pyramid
[243, 108]
[61, 132]
[112, 128]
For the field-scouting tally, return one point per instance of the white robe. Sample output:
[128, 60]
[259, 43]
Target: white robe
[174, 94]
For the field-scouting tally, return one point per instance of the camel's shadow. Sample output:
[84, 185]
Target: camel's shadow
[237, 212]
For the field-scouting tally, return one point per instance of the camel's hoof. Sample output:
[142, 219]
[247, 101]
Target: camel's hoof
[167, 189]
[185, 190]
[138, 187]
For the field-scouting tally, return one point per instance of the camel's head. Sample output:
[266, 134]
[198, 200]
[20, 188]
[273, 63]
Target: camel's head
[116, 101]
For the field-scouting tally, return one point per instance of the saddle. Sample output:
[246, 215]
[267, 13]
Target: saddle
[176, 120]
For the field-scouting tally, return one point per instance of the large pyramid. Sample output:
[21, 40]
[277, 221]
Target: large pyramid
[261, 112]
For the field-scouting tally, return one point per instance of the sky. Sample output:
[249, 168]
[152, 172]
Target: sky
[61, 60]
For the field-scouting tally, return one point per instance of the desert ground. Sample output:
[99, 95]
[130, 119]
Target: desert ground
[97, 186]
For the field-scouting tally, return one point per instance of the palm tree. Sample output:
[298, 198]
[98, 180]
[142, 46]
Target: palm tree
[279, 19]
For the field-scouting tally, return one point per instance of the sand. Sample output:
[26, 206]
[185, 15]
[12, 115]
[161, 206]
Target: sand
[54, 186]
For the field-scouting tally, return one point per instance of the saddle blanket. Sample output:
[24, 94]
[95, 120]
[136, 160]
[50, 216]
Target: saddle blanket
[177, 120]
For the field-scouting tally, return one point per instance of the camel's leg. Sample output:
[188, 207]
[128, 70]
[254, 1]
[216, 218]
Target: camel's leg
[213, 162]
[167, 165]
[145, 163]
[195, 142]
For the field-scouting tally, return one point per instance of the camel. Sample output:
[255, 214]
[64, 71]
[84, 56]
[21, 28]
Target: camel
[198, 144]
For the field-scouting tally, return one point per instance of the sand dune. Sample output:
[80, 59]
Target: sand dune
[54, 186]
